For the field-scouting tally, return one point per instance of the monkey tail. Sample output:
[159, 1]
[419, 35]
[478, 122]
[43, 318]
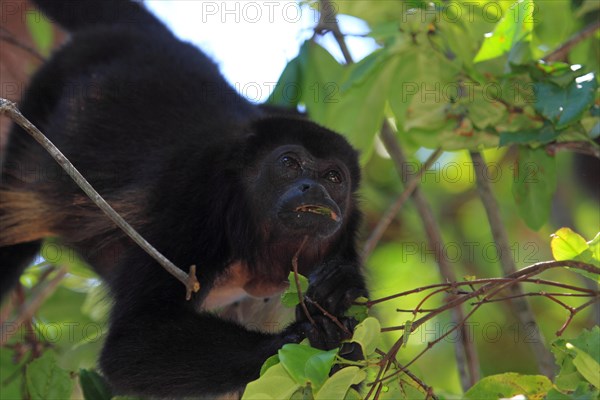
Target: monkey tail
[74, 15]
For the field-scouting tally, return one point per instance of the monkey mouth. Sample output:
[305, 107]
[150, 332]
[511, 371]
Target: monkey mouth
[319, 210]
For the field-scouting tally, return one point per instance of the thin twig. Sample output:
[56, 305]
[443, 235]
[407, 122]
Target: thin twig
[297, 279]
[189, 280]
[573, 312]
[520, 276]
[395, 207]
[491, 289]
[329, 315]
[520, 306]
[495, 288]
[448, 286]
[533, 294]
[26, 311]
[560, 54]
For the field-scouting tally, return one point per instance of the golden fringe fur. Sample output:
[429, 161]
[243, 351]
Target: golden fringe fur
[24, 217]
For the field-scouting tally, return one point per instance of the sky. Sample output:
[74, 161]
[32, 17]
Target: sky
[252, 41]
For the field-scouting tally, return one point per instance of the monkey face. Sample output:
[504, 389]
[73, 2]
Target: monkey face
[300, 194]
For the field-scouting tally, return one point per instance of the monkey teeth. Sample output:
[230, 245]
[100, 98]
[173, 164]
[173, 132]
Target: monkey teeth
[318, 210]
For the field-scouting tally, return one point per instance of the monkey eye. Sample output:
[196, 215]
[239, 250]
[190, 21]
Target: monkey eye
[290, 162]
[333, 176]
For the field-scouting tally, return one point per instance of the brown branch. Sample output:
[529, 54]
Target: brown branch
[585, 148]
[520, 276]
[395, 207]
[573, 312]
[560, 54]
[189, 280]
[520, 306]
[9, 37]
[25, 311]
[428, 389]
[495, 286]
[329, 315]
[448, 286]
[328, 22]
[535, 294]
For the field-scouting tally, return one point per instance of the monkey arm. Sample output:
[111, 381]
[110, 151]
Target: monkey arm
[164, 351]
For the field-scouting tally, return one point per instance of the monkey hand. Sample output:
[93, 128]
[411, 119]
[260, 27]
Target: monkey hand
[334, 286]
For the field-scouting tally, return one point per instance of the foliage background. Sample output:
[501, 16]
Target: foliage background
[429, 54]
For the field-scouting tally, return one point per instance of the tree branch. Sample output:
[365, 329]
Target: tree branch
[585, 148]
[189, 280]
[560, 54]
[395, 207]
[519, 304]
[490, 288]
[328, 22]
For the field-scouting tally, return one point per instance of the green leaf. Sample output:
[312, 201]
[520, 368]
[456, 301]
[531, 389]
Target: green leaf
[269, 362]
[360, 111]
[586, 365]
[288, 90]
[275, 384]
[94, 386]
[45, 380]
[584, 391]
[510, 385]
[321, 81]
[569, 376]
[485, 112]
[385, 11]
[534, 185]
[352, 394]
[41, 31]
[553, 68]
[358, 311]
[365, 68]
[318, 367]
[567, 245]
[594, 246]
[337, 386]
[367, 334]
[289, 297]
[516, 26]
[564, 106]
[304, 393]
[545, 135]
[423, 85]
[294, 357]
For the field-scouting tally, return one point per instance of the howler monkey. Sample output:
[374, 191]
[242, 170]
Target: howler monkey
[205, 176]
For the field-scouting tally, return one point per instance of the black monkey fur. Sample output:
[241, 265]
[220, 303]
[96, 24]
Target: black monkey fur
[205, 176]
